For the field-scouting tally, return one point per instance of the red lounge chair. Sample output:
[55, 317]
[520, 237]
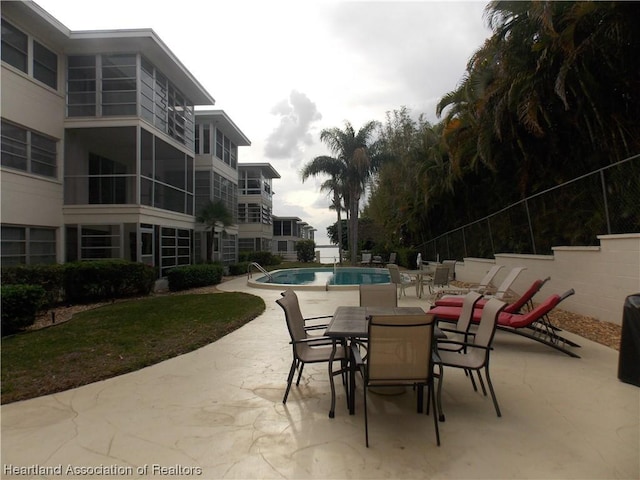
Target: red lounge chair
[534, 324]
[515, 307]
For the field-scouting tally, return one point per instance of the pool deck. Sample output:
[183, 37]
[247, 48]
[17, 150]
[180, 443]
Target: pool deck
[217, 412]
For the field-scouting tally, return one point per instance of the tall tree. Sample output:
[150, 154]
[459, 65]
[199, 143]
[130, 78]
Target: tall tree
[334, 168]
[360, 156]
[214, 214]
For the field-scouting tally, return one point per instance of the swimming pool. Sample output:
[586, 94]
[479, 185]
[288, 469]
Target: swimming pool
[321, 278]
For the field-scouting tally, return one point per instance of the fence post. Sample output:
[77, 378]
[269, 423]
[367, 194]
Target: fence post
[493, 248]
[533, 240]
[606, 205]
[464, 243]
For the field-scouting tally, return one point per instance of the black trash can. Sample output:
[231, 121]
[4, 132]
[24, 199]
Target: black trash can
[629, 360]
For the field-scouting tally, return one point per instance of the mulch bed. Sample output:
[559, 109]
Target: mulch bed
[605, 333]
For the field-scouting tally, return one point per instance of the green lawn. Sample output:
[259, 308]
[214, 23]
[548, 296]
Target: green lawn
[118, 338]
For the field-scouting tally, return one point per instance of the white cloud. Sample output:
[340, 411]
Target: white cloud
[297, 114]
[274, 66]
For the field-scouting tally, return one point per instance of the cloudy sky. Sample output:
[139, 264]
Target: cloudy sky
[284, 70]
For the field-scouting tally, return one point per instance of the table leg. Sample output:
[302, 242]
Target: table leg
[351, 390]
[332, 410]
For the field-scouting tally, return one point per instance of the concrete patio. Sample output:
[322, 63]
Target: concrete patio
[217, 413]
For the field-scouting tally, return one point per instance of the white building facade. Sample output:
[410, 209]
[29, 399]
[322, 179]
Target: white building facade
[104, 154]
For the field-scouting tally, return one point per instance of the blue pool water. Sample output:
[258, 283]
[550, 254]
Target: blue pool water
[327, 276]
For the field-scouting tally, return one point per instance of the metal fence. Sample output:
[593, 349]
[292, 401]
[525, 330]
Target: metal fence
[606, 201]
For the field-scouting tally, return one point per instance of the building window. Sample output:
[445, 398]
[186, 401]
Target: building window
[100, 241]
[175, 248]
[15, 52]
[45, 65]
[206, 139]
[119, 85]
[28, 151]
[28, 245]
[81, 86]
[106, 85]
[107, 181]
[167, 176]
[15, 46]
[219, 142]
[282, 245]
[249, 213]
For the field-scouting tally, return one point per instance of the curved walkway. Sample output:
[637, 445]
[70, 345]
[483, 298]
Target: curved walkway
[218, 413]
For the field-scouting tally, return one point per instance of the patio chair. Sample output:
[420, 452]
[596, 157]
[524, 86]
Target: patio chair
[461, 330]
[366, 259]
[402, 280]
[482, 286]
[392, 257]
[452, 268]
[437, 283]
[534, 324]
[378, 295]
[400, 354]
[473, 354]
[306, 348]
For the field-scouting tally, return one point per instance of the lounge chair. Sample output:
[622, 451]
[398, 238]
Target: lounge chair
[534, 324]
[503, 292]
[392, 258]
[481, 287]
[377, 260]
[526, 299]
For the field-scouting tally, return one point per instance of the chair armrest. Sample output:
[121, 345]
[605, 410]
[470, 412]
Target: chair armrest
[317, 341]
[318, 318]
[462, 344]
[356, 355]
[453, 330]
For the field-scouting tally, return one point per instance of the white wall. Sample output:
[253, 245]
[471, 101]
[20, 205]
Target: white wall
[602, 277]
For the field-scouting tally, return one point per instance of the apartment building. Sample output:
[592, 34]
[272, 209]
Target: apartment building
[287, 231]
[255, 206]
[217, 139]
[105, 155]
[99, 146]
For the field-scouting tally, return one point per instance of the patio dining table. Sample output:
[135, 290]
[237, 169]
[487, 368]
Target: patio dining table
[350, 324]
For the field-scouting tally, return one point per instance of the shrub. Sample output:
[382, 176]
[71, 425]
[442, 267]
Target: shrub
[106, 279]
[49, 277]
[306, 250]
[192, 276]
[20, 303]
[407, 257]
[238, 268]
[263, 258]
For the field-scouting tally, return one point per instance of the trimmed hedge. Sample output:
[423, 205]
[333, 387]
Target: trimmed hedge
[49, 277]
[98, 280]
[263, 258]
[20, 303]
[238, 268]
[193, 276]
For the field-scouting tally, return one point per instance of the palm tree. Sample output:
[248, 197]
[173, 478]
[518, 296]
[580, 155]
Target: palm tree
[334, 168]
[214, 214]
[360, 158]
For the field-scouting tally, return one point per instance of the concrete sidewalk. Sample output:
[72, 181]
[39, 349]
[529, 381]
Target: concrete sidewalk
[218, 413]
